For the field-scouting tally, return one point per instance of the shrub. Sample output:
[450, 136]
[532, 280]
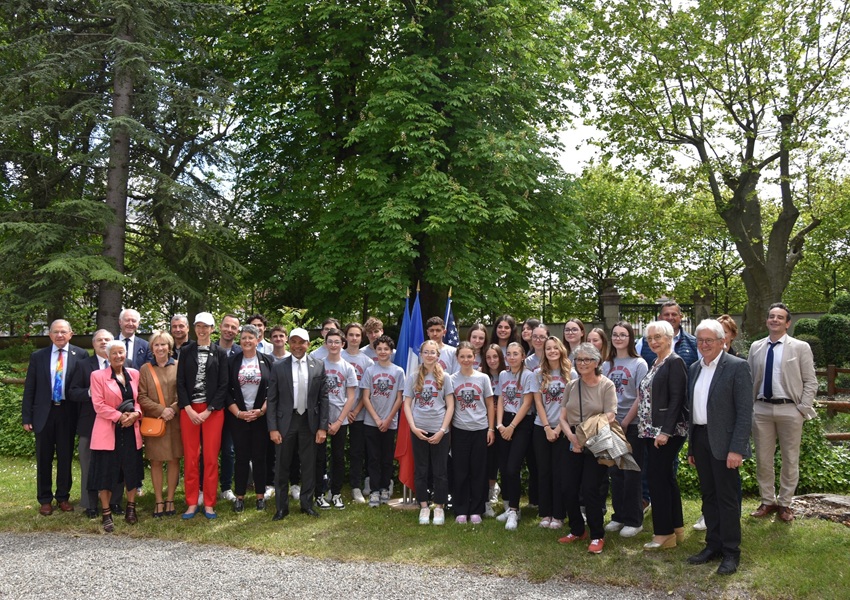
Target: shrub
[841, 304]
[805, 327]
[17, 352]
[817, 348]
[834, 332]
[14, 441]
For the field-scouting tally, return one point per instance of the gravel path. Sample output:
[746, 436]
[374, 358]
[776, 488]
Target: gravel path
[110, 567]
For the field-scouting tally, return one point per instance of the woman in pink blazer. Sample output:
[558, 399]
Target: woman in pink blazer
[116, 441]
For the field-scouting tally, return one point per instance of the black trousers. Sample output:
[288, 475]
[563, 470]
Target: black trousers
[626, 494]
[337, 459]
[663, 485]
[55, 439]
[721, 505]
[469, 479]
[511, 455]
[356, 453]
[583, 477]
[250, 444]
[551, 465]
[430, 462]
[380, 450]
[301, 437]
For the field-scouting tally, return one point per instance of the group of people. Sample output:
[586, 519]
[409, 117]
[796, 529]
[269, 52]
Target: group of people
[476, 414]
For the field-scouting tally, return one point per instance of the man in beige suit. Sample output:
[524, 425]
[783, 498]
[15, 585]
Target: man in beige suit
[784, 385]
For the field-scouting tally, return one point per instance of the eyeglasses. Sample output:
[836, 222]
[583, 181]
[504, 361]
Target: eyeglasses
[539, 338]
[708, 341]
[584, 360]
[333, 342]
[572, 330]
[656, 338]
[620, 335]
[429, 353]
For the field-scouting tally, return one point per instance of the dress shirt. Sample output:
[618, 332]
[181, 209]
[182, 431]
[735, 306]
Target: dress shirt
[701, 387]
[776, 377]
[129, 345]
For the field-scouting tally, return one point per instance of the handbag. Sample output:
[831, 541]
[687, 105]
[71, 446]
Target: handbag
[154, 426]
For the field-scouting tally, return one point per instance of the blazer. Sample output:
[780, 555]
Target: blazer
[80, 394]
[797, 372]
[38, 385]
[217, 377]
[669, 394]
[234, 395]
[141, 353]
[106, 398]
[730, 406]
[281, 402]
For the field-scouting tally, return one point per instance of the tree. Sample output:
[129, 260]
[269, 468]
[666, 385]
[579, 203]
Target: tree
[396, 143]
[745, 87]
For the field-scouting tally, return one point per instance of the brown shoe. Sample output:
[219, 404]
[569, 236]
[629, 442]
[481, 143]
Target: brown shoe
[130, 514]
[786, 514]
[764, 510]
[46, 510]
[66, 506]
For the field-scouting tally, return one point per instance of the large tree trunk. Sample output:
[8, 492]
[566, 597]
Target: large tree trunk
[110, 297]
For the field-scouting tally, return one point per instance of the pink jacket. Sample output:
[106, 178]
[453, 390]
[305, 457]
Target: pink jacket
[106, 397]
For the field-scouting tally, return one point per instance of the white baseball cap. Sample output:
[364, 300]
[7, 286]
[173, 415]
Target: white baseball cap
[205, 318]
[300, 333]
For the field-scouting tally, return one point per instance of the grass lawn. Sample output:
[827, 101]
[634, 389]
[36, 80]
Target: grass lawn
[808, 559]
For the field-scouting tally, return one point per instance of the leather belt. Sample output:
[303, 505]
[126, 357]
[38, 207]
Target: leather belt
[776, 400]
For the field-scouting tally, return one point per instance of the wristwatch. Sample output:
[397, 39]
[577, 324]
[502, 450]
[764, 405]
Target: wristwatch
[446, 430]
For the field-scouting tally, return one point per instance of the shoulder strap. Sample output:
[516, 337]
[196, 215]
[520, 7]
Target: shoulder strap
[156, 383]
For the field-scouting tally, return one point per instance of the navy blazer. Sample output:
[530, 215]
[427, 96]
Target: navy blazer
[234, 395]
[217, 375]
[730, 406]
[141, 353]
[669, 394]
[38, 385]
[281, 402]
[80, 394]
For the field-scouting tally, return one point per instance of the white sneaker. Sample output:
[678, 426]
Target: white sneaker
[544, 522]
[613, 526]
[200, 498]
[424, 516]
[488, 510]
[385, 496]
[228, 495]
[629, 531]
[503, 517]
[374, 499]
[336, 500]
[439, 516]
[295, 491]
[700, 525]
[269, 492]
[512, 520]
[322, 503]
[357, 496]
[367, 487]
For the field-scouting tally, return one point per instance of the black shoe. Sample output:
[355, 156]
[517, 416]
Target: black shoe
[728, 565]
[279, 515]
[238, 505]
[116, 509]
[707, 555]
[261, 504]
[91, 513]
[311, 512]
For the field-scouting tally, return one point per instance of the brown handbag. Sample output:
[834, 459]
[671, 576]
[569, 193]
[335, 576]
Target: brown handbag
[154, 426]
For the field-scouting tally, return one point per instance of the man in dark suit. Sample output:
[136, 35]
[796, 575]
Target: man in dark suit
[46, 411]
[298, 419]
[79, 392]
[720, 400]
[138, 350]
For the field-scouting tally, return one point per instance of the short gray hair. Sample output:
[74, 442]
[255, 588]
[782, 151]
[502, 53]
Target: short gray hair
[99, 331]
[589, 350]
[252, 329]
[114, 344]
[712, 325]
[665, 328]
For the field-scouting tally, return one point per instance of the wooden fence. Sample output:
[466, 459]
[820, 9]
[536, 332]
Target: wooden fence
[832, 405]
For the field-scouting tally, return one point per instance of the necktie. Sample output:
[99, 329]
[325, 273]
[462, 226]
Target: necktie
[768, 371]
[301, 396]
[57, 378]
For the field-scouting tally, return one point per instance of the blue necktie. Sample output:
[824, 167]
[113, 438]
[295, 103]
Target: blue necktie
[57, 378]
[768, 372]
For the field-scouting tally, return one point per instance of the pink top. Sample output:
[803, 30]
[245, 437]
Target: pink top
[106, 398]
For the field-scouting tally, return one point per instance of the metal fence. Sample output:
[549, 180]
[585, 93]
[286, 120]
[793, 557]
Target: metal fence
[641, 315]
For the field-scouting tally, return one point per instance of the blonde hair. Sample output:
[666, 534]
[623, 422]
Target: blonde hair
[564, 363]
[423, 370]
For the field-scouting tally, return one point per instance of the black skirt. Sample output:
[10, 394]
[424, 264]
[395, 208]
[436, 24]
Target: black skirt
[122, 465]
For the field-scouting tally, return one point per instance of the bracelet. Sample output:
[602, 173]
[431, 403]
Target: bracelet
[512, 426]
[500, 426]
[238, 412]
[491, 429]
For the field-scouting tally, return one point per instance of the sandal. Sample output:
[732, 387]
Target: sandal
[108, 525]
[169, 508]
[157, 512]
[130, 514]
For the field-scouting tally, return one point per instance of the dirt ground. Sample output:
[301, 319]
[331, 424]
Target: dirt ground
[823, 506]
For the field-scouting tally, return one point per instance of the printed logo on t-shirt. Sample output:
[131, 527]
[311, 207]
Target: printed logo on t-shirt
[555, 392]
[382, 383]
[511, 394]
[358, 369]
[467, 394]
[621, 376]
[249, 374]
[334, 380]
[425, 398]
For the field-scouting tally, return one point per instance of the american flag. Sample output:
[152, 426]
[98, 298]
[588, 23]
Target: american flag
[451, 337]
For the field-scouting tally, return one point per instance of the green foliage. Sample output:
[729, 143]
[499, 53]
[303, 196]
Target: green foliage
[841, 305]
[805, 327]
[18, 351]
[834, 332]
[815, 343]
[14, 441]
